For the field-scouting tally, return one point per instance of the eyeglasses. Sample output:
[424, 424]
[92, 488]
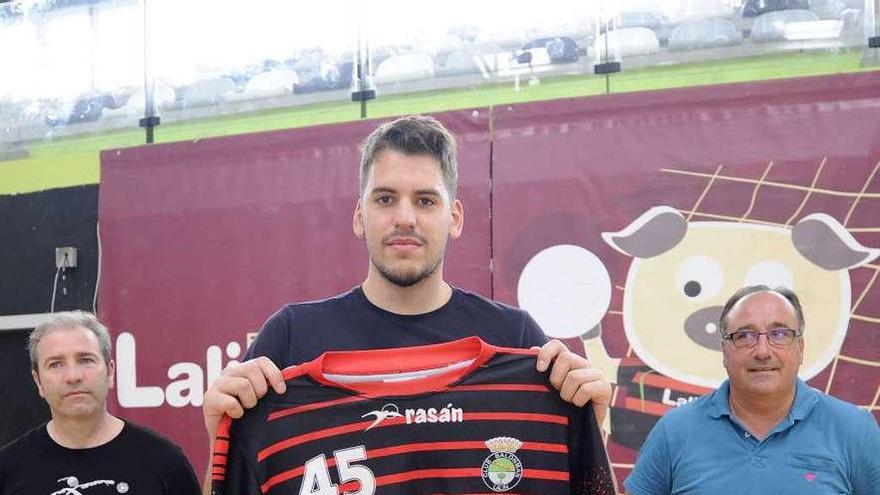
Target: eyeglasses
[777, 337]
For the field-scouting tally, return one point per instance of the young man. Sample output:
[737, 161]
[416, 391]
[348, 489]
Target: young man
[83, 446]
[406, 213]
[764, 430]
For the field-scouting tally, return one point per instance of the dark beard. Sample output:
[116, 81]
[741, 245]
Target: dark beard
[408, 279]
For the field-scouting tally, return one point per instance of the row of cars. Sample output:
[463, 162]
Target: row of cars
[758, 21]
[310, 71]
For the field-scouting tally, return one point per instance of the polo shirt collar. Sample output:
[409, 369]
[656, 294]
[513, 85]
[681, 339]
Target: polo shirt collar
[805, 399]
[719, 405]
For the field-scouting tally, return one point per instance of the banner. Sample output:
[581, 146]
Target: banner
[621, 222]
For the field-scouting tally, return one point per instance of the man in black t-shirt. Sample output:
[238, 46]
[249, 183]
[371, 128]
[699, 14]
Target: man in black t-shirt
[84, 449]
[406, 213]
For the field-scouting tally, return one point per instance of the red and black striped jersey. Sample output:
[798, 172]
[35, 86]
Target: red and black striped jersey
[463, 417]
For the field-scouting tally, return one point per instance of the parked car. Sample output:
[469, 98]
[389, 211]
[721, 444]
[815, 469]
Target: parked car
[209, 91]
[627, 42]
[402, 68]
[276, 82]
[560, 49]
[705, 33]
[771, 26]
[828, 9]
[754, 8]
[655, 21]
[457, 62]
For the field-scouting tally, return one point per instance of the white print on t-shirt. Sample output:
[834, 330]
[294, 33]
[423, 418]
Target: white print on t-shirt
[387, 411]
[448, 414]
[74, 486]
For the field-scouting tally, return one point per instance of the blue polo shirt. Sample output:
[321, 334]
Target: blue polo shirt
[824, 445]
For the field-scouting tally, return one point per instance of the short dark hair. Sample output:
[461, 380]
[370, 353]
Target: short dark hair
[70, 319]
[413, 135]
[788, 294]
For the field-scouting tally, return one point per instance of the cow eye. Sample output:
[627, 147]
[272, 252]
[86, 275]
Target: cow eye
[699, 278]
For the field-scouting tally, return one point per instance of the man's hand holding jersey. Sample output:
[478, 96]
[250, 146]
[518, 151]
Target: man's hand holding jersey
[575, 377]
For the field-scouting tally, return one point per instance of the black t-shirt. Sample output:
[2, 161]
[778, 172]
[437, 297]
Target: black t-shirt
[298, 333]
[136, 462]
[459, 417]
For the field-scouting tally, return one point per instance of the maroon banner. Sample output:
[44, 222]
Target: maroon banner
[203, 240]
[622, 223]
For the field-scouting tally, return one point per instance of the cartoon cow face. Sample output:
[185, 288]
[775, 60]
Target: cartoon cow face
[683, 272]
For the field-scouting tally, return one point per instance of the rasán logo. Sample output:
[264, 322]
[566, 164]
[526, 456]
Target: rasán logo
[448, 414]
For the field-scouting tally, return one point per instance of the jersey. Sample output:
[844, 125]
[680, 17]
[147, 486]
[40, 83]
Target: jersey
[459, 417]
[298, 333]
[136, 461]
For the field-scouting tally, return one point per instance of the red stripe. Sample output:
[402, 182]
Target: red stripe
[665, 382]
[646, 406]
[503, 387]
[219, 460]
[287, 475]
[405, 476]
[362, 425]
[415, 447]
[545, 474]
[463, 473]
[311, 407]
[316, 435]
[516, 350]
[501, 416]
[545, 447]
[218, 470]
[466, 445]
[223, 427]
[221, 446]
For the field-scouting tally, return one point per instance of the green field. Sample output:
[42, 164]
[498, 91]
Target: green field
[74, 161]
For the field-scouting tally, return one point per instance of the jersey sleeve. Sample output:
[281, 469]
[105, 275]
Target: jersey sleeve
[590, 471]
[652, 473]
[231, 470]
[273, 340]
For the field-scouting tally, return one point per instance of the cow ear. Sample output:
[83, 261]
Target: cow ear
[656, 231]
[827, 244]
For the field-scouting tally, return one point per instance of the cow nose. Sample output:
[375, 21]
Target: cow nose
[702, 327]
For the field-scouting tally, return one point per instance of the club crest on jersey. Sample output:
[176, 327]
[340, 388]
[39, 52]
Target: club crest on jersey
[448, 414]
[502, 470]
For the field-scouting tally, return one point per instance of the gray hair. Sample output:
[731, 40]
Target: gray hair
[70, 319]
[413, 135]
[741, 294]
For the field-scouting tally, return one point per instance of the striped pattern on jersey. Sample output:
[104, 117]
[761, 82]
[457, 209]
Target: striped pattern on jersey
[492, 426]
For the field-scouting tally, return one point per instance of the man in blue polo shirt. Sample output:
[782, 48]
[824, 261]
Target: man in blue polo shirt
[764, 430]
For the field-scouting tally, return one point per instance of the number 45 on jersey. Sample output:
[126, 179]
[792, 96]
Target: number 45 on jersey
[316, 475]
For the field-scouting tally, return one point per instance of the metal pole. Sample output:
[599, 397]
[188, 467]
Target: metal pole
[150, 120]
